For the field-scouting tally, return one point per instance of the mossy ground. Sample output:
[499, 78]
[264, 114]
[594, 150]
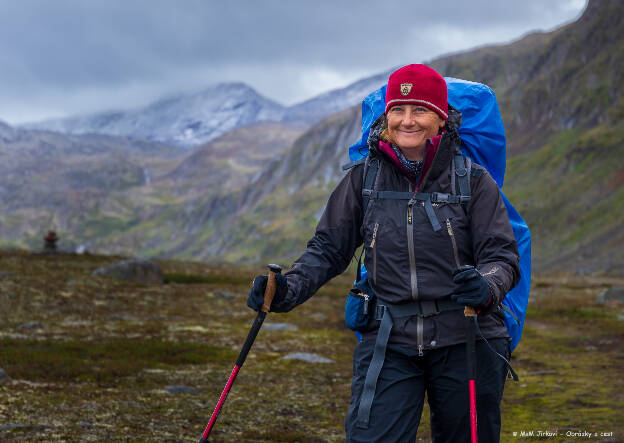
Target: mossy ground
[97, 369]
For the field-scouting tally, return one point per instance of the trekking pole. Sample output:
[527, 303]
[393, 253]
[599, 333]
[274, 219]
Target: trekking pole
[269, 293]
[469, 314]
[471, 353]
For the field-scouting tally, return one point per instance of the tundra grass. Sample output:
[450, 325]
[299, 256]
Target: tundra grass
[96, 367]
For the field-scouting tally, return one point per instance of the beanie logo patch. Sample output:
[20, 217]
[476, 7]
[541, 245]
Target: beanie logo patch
[406, 88]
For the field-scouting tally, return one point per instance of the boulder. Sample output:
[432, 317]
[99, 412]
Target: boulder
[140, 271]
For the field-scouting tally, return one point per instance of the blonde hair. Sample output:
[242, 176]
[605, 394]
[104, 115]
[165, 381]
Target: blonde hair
[385, 134]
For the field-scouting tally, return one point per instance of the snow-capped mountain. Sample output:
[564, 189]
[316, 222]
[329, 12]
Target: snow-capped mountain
[184, 120]
[191, 119]
[321, 106]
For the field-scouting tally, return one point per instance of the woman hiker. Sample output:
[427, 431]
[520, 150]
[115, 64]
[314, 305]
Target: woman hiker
[437, 238]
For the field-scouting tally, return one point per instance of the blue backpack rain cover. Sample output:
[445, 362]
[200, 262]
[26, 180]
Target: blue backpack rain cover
[483, 141]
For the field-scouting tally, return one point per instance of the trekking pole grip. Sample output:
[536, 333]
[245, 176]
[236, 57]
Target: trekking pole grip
[271, 286]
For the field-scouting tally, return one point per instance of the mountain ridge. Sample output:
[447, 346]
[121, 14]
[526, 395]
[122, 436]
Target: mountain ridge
[185, 120]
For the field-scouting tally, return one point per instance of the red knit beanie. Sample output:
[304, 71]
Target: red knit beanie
[418, 85]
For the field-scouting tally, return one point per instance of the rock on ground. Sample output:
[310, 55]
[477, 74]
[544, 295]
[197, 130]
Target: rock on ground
[31, 325]
[307, 357]
[4, 377]
[612, 294]
[181, 390]
[140, 271]
[23, 426]
[224, 294]
[280, 327]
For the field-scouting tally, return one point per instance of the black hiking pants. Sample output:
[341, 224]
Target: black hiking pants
[442, 374]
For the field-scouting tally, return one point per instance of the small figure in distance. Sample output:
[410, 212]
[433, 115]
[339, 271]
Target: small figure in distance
[49, 245]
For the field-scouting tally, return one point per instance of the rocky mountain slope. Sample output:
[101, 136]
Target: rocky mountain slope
[74, 183]
[94, 188]
[247, 218]
[231, 160]
[571, 78]
[184, 120]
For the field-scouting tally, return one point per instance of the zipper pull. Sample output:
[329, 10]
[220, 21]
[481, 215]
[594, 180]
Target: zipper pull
[451, 234]
[409, 211]
[419, 332]
[372, 245]
[365, 307]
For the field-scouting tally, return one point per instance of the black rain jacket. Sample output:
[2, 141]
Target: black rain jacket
[410, 261]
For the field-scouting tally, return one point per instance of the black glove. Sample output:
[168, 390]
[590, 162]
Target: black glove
[472, 289]
[256, 295]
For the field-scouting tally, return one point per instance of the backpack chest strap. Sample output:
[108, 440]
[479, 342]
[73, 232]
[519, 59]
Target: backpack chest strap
[434, 197]
[461, 166]
[426, 197]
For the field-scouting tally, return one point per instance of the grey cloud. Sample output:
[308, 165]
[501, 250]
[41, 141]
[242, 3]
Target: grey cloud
[67, 46]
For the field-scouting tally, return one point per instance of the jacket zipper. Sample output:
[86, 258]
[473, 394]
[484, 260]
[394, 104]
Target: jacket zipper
[410, 249]
[419, 333]
[451, 234]
[372, 245]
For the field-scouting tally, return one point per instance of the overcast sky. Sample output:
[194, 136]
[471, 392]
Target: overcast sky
[64, 57]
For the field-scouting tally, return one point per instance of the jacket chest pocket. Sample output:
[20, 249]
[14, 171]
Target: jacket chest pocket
[385, 240]
[448, 247]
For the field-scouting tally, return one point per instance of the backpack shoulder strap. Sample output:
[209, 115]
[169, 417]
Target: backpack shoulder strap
[463, 172]
[352, 164]
[371, 167]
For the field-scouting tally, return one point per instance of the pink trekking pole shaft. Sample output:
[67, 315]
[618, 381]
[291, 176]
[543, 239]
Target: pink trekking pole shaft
[269, 293]
[469, 313]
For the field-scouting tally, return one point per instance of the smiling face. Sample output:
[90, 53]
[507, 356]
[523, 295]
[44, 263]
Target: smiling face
[409, 127]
